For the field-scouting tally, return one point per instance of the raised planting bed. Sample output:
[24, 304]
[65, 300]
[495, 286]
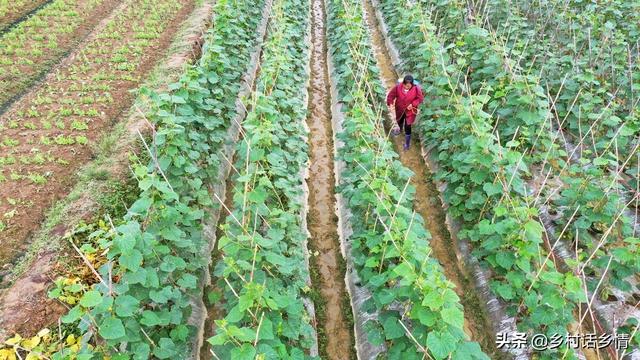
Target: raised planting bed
[576, 184]
[262, 266]
[485, 182]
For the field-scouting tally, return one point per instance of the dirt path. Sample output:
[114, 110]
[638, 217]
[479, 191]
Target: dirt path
[427, 203]
[335, 333]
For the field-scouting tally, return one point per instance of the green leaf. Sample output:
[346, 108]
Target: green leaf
[91, 298]
[505, 259]
[573, 284]
[245, 301]
[600, 161]
[166, 349]
[132, 261]
[141, 206]
[453, 316]
[433, 300]
[505, 291]
[423, 314]
[492, 189]
[553, 277]
[141, 351]
[111, 328]
[188, 281]
[469, 350]
[245, 352]
[392, 329]
[533, 231]
[384, 296]
[478, 176]
[73, 315]
[266, 330]
[406, 271]
[126, 305]
[218, 339]
[374, 333]
[257, 196]
[150, 318]
[441, 344]
[529, 117]
[234, 315]
[524, 264]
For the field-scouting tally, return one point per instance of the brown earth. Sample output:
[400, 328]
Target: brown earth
[17, 77]
[62, 161]
[26, 308]
[16, 13]
[327, 265]
[28, 317]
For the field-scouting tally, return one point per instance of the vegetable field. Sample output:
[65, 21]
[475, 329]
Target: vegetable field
[219, 179]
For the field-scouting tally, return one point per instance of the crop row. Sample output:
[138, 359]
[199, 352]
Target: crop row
[143, 300]
[417, 311]
[587, 188]
[519, 103]
[592, 75]
[487, 177]
[579, 194]
[50, 133]
[263, 267]
[592, 78]
[13, 10]
[578, 191]
[30, 49]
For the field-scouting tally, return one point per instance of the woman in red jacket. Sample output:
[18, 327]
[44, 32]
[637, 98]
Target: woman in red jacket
[406, 96]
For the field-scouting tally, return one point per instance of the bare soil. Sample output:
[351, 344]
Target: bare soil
[427, 203]
[336, 336]
[26, 308]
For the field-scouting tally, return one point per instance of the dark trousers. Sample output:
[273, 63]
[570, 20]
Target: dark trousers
[402, 124]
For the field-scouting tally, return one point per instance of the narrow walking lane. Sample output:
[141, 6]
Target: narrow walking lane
[336, 340]
[427, 203]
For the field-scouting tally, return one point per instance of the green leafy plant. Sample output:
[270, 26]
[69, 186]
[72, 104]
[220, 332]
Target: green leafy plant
[262, 266]
[141, 304]
[486, 177]
[419, 313]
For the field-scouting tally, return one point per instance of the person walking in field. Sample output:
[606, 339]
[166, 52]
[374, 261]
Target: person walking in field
[405, 97]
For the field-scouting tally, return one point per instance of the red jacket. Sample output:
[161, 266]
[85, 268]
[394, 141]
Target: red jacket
[402, 100]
